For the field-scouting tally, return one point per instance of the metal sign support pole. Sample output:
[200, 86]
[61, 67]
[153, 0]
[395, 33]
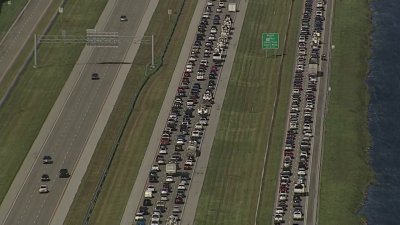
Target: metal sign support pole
[152, 51]
[34, 51]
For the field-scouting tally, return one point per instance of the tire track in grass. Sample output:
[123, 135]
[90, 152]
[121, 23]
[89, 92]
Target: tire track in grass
[276, 103]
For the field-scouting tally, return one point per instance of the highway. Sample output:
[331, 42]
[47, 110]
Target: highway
[302, 152]
[20, 32]
[193, 188]
[71, 125]
[314, 185]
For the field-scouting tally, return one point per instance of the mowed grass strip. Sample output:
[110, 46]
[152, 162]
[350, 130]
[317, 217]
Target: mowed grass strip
[8, 13]
[19, 62]
[124, 170]
[345, 169]
[232, 182]
[23, 114]
[271, 177]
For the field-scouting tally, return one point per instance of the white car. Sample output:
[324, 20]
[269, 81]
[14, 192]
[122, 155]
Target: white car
[297, 215]
[279, 210]
[181, 187]
[200, 76]
[203, 110]
[306, 126]
[189, 162]
[211, 37]
[278, 218]
[176, 209]
[301, 173]
[198, 126]
[155, 218]
[163, 151]
[196, 133]
[219, 10]
[192, 59]
[203, 121]
[164, 198]
[169, 179]
[151, 188]
[164, 192]
[209, 3]
[203, 62]
[213, 30]
[221, 4]
[155, 167]
[43, 189]
[139, 216]
[189, 68]
[180, 141]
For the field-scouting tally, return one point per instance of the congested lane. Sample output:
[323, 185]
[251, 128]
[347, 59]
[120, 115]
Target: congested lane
[294, 180]
[180, 143]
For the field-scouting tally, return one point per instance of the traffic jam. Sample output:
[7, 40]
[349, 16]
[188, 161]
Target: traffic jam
[170, 176]
[292, 187]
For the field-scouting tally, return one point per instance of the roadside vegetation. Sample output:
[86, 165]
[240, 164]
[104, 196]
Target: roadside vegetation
[131, 149]
[345, 170]
[232, 182]
[8, 13]
[35, 92]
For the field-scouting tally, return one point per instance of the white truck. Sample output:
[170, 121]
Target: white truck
[170, 169]
[148, 194]
[232, 7]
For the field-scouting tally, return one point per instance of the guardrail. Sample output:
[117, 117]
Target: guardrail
[149, 72]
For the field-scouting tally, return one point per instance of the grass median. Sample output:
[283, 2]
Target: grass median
[123, 172]
[8, 13]
[28, 105]
[232, 182]
[345, 169]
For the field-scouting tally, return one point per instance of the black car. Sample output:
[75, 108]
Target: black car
[147, 202]
[47, 159]
[45, 177]
[64, 173]
[123, 18]
[95, 76]
[144, 209]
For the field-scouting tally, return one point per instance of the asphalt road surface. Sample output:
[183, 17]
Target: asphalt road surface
[310, 148]
[20, 32]
[67, 137]
[195, 184]
[313, 199]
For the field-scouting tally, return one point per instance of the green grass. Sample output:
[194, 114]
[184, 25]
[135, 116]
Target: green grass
[23, 114]
[231, 186]
[122, 175]
[345, 169]
[8, 13]
[273, 163]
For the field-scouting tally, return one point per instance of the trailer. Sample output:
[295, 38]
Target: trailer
[170, 169]
[148, 194]
[232, 7]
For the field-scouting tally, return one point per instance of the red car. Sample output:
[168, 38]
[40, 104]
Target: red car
[178, 200]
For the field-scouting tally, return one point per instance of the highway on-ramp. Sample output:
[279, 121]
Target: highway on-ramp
[67, 136]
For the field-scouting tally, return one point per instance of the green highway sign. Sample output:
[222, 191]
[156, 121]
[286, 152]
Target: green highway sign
[270, 40]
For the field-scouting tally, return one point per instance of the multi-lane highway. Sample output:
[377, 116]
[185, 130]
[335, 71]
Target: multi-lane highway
[299, 176]
[181, 141]
[20, 32]
[70, 129]
[205, 141]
